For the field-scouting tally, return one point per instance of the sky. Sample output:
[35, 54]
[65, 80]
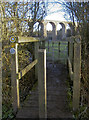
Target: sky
[55, 12]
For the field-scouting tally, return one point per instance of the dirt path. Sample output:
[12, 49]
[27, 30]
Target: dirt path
[56, 92]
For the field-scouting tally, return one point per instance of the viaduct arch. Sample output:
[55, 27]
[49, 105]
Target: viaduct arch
[54, 24]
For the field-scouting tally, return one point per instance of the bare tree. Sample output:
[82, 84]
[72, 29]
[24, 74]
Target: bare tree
[27, 14]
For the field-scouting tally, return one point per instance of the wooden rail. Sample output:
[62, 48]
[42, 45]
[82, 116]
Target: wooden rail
[26, 69]
[27, 39]
[74, 65]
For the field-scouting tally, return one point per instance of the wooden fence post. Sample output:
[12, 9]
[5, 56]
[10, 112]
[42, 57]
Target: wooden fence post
[77, 73]
[18, 96]
[71, 52]
[15, 80]
[36, 57]
[42, 83]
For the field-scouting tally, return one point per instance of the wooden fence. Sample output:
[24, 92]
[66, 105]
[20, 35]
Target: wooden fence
[40, 61]
[74, 65]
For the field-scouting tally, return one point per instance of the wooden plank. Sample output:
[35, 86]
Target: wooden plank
[77, 75]
[42, 83]
[26, 69]
[27, 39]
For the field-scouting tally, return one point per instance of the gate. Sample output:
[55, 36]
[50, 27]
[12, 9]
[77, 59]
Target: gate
[57, 51]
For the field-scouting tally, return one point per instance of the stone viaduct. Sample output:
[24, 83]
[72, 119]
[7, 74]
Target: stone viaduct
[54, 24]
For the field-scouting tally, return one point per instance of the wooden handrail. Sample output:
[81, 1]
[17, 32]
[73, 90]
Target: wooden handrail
[27, 39]
[26, 69]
